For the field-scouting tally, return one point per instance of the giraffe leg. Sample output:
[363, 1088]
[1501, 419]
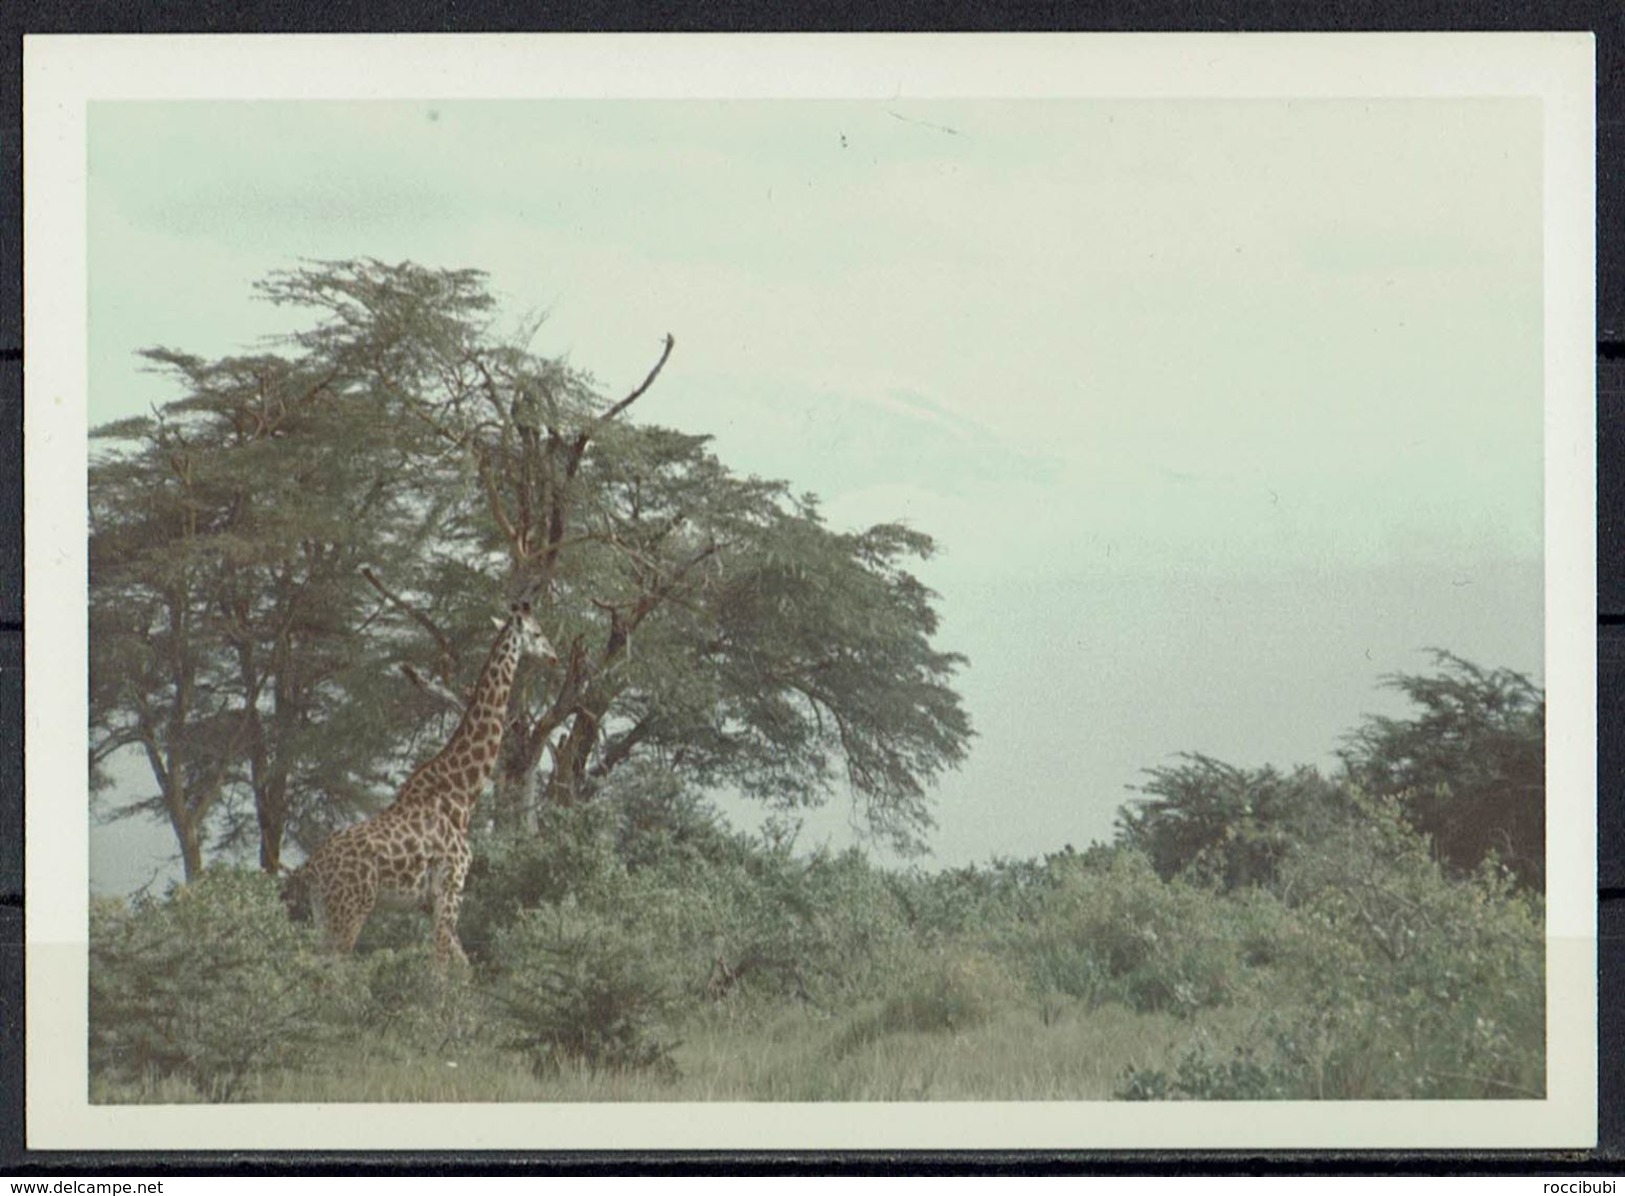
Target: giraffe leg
[343, 902]
[345, 925]
[449, 875]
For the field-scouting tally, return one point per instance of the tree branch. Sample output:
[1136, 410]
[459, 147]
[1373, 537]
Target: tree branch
[498, 512]
[660, 593]
[416, 615]
[116, 741]
[434, 689]
[671, 342]
[579, 447]
[571, 687]
[616, 752]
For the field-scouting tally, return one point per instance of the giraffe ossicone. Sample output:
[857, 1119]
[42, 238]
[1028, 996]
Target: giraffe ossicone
[416, 852]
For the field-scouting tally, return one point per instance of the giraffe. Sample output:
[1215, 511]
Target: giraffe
[415, 852]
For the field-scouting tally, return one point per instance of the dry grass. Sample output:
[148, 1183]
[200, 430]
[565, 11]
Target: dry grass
[1021, 1051]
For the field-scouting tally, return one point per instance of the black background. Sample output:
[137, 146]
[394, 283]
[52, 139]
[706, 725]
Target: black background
[1605, 19]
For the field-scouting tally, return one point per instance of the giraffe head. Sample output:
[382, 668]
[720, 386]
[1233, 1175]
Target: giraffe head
[528, 633]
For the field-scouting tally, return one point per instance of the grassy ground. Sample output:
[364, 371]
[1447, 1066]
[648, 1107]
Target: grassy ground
[786, 1054]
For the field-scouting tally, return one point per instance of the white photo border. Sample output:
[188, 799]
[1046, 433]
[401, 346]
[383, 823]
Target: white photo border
[64, 74]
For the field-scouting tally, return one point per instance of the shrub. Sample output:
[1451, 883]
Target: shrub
[1389, 980]
[1406, 981]
[210, 984]
[1468, 768]
[940, 991]
[823, 929]
[572, 854]
[1224, 826]
[1123, 934]
[1201, 1076]
[411, 1002]
[575, 986]
[950, 991]
[730, 919]
[942, 906]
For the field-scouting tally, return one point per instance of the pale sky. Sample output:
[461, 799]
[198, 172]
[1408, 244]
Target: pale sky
[1219, 410]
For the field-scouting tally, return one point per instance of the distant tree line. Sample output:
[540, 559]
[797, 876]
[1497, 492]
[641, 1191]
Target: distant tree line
[1467, 768]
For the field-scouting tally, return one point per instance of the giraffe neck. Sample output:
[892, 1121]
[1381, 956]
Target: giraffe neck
[470, 756]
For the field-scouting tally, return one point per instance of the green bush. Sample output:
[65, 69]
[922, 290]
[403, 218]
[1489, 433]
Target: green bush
[210, 984]
[1388, 980]
[571, 855]
[413, 1004]
[726, 915]
[1123, 934]
[577, 987]
[942, 906]
[766, 924]
[938, 991]
[949, 991]
[1201, 1076]
[1404, 981]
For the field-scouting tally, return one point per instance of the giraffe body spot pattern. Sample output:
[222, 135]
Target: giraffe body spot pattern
[415, 853]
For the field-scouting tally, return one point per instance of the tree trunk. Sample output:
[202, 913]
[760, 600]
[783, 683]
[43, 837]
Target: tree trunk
[516, 763]
[568, 785]
[186, 830]
[510, 790]
[271, 810]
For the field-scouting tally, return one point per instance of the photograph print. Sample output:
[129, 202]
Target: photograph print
[671, 599]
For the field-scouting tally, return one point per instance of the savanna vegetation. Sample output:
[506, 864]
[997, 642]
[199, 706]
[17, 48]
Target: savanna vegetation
[292, 565]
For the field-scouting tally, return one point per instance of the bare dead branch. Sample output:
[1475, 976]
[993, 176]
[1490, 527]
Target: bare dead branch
[434, 689]
[665, 353]
[579, 447]
[416, 615]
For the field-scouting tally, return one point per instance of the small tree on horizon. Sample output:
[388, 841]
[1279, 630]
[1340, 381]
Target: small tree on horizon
[1469, 765]
[1467, 771]
[1230, 826]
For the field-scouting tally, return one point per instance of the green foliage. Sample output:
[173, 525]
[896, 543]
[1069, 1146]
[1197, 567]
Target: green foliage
[1469, 766]
[1313, 946]
[1368, 971]
[225, 541]
[659, 817]
[1200, 1075]
[1123, 934]
[710, 625]
[1221, 825]
[575, 987]
[941, 991]
[1389, 980]
[572, 855]
[954, 902]
[822, 929]
[210, 984]
[949, 991]
[1407, 981]
[854, 679]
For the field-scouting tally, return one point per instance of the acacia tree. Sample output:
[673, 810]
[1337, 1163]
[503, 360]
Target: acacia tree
[154, 684]
[1469, 766]
[709, 624]
[1225, 825]
[226, 531]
